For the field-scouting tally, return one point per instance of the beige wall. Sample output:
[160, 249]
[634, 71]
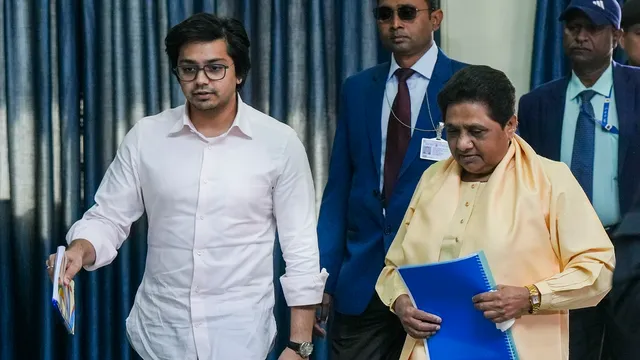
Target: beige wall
[498, 33]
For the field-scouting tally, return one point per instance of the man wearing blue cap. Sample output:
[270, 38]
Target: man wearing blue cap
[590, 121]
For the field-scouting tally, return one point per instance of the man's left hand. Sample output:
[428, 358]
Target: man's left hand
[289, 354]
[506, 303]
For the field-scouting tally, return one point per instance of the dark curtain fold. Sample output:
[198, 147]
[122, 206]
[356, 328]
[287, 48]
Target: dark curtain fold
[548, 60]
[76, 75]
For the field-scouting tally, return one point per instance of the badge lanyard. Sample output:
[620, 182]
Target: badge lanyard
[605, 116]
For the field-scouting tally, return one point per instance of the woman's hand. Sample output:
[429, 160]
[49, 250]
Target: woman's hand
[506, 303]
[418, 324]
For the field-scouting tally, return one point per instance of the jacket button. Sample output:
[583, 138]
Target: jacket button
[387, 230]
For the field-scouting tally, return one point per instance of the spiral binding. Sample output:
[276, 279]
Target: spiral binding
[490, 283]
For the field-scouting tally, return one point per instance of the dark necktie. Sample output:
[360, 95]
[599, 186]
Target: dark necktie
[584, 144]
[398, 135]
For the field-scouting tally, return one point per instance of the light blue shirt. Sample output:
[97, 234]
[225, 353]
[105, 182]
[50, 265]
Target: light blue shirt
[605, 167]
[417, 85]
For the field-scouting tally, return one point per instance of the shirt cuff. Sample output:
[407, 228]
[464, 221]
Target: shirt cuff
[390, 289]
[546, 295]
[304, 290]
[105, 252]
[396, 294]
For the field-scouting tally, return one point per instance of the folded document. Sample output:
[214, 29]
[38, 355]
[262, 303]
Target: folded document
[63, 297]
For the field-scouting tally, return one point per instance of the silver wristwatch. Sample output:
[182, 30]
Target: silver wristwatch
[304, 349]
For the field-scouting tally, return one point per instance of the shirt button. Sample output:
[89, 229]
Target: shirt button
[206, 181]
[473, 186]
[209, 147]
[462, 221]
[201, 217]
[197, 325]
[466, 204]
[197, 289]
[199, 252]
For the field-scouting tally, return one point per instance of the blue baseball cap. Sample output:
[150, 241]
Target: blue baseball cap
[600, 12]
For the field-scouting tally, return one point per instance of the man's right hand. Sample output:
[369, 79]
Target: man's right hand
[417, 323]
[322, 313]
[78, 254]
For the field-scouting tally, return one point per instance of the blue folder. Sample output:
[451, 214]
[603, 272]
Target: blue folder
[445, 289]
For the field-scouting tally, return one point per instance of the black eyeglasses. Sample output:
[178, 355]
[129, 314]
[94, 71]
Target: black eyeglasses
[190, 72]
[405, 13]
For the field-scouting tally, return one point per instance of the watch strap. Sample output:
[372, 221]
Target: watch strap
[298, 348]
[294, 346]
[534, 293]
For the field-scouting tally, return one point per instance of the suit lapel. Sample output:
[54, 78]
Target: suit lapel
[373, 111]
[625, 93]
[553, 122]
[428, 111]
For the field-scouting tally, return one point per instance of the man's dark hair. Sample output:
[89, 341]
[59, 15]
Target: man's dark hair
[431, 4]
[630, 14]
[204, 27]
[482, 85]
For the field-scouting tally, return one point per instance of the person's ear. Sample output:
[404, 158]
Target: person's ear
[617, 38]
[436, 19]
[511, 127]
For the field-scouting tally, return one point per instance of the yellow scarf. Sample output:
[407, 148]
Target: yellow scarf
[535, 225]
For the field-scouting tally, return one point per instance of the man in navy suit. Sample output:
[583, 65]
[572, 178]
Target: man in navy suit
[385, 112]
[590, 120]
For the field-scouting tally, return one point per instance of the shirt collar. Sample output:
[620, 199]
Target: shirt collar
[602, 86]
[240, 122]
[424, 66]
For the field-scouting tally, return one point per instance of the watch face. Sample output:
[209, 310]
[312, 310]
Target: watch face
[306, 349]
[535, 299]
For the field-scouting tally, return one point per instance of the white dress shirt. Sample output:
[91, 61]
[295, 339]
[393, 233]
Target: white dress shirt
[417, 84]
[213, 206]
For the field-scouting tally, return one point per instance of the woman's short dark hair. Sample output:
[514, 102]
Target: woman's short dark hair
[204, 27]
[484, 85]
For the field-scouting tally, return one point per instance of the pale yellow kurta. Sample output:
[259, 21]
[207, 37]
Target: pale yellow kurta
[535, 225]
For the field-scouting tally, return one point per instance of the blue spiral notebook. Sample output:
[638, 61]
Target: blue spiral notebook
[445, 289]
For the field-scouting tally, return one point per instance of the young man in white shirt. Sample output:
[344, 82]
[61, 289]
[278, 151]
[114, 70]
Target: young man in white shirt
[216, 177]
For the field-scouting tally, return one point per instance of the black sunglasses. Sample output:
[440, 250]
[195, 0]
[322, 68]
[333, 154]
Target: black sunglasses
[405, 12]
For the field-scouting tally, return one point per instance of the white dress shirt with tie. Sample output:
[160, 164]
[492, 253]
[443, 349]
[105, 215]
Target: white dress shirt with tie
[417, 85]
[213, 206]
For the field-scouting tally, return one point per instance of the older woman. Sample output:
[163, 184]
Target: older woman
[541, 236]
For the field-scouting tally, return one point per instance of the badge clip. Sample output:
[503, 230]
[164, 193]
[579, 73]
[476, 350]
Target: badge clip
[439, 131]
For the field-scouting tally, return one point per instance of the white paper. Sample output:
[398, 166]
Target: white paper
[426, 349]
[505, 325]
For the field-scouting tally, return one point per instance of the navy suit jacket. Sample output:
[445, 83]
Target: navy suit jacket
[625, 295]
[541, 113]
[353, 233]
